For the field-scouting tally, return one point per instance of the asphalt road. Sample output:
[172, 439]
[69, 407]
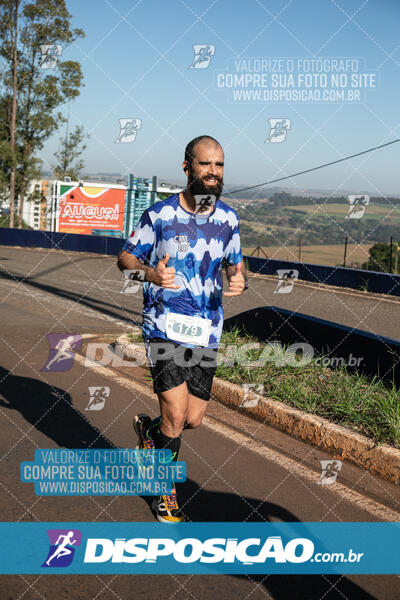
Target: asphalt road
[95, 282]
[238, 469]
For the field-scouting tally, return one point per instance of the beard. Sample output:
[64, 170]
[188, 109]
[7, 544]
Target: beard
[202, 187]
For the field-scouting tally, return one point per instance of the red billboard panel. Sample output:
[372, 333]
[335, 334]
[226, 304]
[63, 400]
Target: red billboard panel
[82, 209]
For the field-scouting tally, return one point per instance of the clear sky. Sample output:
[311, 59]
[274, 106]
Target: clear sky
[136, 59]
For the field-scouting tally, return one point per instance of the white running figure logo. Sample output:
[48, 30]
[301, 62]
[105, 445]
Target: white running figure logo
[62, 346]
[62, 550]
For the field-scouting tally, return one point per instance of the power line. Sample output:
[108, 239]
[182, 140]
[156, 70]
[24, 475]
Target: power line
[334, 162]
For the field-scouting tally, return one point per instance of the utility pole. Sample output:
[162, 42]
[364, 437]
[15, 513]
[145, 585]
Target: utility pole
[345, 252]
[300, 249]
[259, 249]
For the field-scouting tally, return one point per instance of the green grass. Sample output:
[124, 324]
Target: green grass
[354, 400]
[362, 403]
[372, 211]
[5, 222]
[135, 337]
[364, 286]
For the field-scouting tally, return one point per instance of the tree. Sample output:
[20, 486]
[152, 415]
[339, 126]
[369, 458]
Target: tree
[5, 153]
[32, 37]
[9, 13]
[379, 257]
[66, 156]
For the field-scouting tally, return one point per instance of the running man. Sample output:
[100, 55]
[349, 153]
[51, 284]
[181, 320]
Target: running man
[62, 549]
[64, 351]
[180, 245]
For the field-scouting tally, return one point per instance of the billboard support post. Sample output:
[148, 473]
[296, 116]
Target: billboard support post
[140, 194]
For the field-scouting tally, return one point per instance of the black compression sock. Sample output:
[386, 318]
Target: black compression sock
[152, 428]
[164, 442]
[151, 432]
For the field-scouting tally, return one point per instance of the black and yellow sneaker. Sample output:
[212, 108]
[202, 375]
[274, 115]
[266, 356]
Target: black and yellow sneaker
[141, 423]
[166, 508]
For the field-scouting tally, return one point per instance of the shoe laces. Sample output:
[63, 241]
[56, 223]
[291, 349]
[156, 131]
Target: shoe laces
[171, 501]
[147, 440]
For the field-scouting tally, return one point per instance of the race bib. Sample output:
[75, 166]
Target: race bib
[192, 330]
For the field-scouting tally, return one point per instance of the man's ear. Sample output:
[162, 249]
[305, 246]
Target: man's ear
[186, 167]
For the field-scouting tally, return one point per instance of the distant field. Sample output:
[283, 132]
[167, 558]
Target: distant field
[371, 211]
[321, 254]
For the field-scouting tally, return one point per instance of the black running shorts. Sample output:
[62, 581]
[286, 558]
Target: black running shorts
[171, 364]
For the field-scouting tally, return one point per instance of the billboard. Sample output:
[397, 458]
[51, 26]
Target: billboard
[81, 209]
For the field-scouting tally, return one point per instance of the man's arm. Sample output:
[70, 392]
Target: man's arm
[140, 242]
[231, 270]
[126, 260]
[237, 279]
[235, 271]
[160, 275]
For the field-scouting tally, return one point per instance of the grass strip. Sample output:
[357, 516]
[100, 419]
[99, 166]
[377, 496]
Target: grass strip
[362, 403]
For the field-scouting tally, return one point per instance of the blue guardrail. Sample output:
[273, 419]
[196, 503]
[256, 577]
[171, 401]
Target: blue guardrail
[381, 283]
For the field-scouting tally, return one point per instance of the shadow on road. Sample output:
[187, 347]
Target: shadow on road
[67, 263]
[106, 308]
[310, 587]
[200, 505]
[49, 409]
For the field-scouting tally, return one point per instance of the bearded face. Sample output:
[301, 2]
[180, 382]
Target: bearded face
[205, 184]
[206, 170]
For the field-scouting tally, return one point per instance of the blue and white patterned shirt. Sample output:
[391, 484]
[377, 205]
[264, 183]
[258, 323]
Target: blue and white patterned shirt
[197, 244]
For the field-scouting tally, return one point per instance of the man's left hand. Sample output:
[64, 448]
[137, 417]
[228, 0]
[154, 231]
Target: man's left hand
[236, 282]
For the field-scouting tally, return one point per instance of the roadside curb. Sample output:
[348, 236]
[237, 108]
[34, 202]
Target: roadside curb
[342, 442]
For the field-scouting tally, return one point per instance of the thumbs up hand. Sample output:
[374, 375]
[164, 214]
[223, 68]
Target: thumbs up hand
[162, 275]
[236, 282]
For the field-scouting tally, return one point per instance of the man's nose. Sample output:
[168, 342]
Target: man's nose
[213, 170]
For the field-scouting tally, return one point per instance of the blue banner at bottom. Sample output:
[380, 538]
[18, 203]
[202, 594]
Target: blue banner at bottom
[213, 548]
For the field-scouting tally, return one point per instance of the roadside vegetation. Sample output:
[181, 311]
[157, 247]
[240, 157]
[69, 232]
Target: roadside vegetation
[322, 223]
[366, 405]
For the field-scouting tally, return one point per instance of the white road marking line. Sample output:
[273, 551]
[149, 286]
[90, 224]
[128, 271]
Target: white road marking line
[379, 511]
[122, 381]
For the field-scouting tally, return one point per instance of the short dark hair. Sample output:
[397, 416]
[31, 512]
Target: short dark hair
[189, 148]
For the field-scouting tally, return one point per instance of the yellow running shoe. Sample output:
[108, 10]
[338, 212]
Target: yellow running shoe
[166, 508]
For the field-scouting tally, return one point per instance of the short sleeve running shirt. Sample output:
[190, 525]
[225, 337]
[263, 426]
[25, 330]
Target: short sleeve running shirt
[197, 244]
